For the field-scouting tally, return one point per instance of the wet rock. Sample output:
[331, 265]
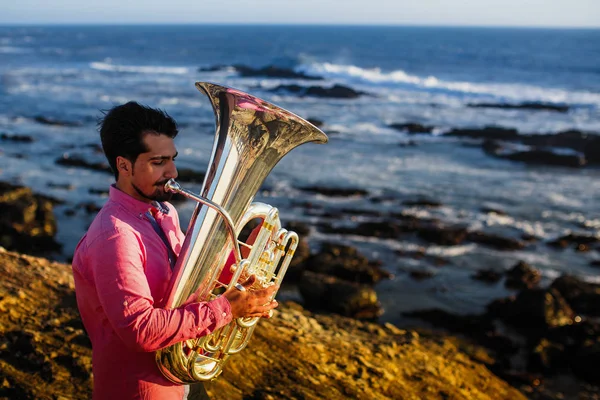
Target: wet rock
[329, 293]
[420, 275]
[583, 297]
[422, 203]
[421, 254]
[77, 161]
[547, 157]
[533, 311]
[345, 262]
[189, 176]
[442, 235]
[523, 106]
[495, 241]
[577, 241]
[55, 122]
[412, 127]
[335, 192]
[27, 221]
[16, 138]
[487, 275]
[63, 186]
[336, 91]
[488, 132]
[316, 122]
[592, 150]
[522, 276]
[272, 71]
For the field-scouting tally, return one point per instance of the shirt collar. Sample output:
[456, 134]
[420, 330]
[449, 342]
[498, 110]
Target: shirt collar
[133, 204]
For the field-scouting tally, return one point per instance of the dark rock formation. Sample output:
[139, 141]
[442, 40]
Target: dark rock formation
[523, 106]
[488, 132]
[336, 91]
[522, 276]
[335, 192]
[412, 127]
[55, 122]
[77, 161]
[27, 222]
[16, 138]
[584, 297]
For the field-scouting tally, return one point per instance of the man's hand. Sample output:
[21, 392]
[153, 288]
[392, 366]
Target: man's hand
[251, 302]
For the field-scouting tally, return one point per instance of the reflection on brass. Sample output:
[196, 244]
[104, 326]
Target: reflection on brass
[252, 135]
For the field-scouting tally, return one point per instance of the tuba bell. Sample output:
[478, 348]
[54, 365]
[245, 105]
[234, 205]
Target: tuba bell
[252, 135]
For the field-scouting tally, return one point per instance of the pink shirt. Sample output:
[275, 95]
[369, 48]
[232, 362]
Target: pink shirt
[121, 270]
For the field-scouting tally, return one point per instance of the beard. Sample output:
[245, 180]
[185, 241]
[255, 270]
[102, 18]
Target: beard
[159, 193]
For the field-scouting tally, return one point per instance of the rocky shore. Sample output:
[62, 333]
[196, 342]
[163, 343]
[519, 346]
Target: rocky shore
[543, 342]
[45, 353]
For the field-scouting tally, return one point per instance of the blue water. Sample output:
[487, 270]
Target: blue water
[412, 74]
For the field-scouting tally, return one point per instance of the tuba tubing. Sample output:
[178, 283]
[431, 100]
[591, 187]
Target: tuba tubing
[251, 137]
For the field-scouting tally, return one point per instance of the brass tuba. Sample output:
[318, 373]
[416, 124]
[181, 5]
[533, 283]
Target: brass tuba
[251, 137]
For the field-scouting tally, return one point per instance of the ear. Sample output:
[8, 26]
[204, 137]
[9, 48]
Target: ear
[124, 166]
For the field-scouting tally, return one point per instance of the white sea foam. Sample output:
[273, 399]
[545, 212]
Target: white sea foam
[140, 69]
[505, 91]
[13, 50]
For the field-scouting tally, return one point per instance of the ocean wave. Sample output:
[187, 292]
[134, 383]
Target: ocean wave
[13, 50]
[140, 69]
[401, 79]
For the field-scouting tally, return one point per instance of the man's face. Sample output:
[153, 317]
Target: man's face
[154, 168]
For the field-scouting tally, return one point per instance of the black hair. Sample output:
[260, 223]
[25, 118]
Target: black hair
[123, 127]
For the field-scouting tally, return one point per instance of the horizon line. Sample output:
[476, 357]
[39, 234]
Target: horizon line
[319, 24]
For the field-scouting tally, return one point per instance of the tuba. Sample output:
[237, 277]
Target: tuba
[252, 135]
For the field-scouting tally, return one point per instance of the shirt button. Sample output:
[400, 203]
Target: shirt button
[125, 303]
[224, 314]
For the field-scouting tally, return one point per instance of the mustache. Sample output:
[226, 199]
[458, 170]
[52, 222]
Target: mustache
[161, 183]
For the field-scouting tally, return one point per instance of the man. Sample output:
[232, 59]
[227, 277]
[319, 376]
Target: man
[123, 264]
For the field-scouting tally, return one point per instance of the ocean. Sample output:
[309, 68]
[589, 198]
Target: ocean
[427, 75]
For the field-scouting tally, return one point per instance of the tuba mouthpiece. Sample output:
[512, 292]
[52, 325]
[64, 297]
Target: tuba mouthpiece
[172, 186]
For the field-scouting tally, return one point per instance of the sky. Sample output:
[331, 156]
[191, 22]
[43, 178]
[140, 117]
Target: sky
[526, 13]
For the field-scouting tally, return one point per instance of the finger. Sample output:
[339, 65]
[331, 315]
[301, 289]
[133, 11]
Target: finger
[249, 282]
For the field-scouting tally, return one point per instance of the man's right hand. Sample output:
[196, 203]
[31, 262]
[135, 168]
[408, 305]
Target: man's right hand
[251, 302]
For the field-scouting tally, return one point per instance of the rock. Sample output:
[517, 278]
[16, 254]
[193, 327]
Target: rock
[16, 138]
[272, 71]
[189, 176]
[55, 122]
[346, 263]
[592, 150]
[412, 127]
[420, 275]
[495, 241]
[335, 192]
[77, 161]
[522, 276]
[442, 235]
[547, 157]
[296, 354]
[27, 221]
[487, 275]
[580, 242]
[336, 91]
[316, 122]
[489, 132]
[422, 203]
[534, 311]
[331, 294]
[524, 106]
[583, 297]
